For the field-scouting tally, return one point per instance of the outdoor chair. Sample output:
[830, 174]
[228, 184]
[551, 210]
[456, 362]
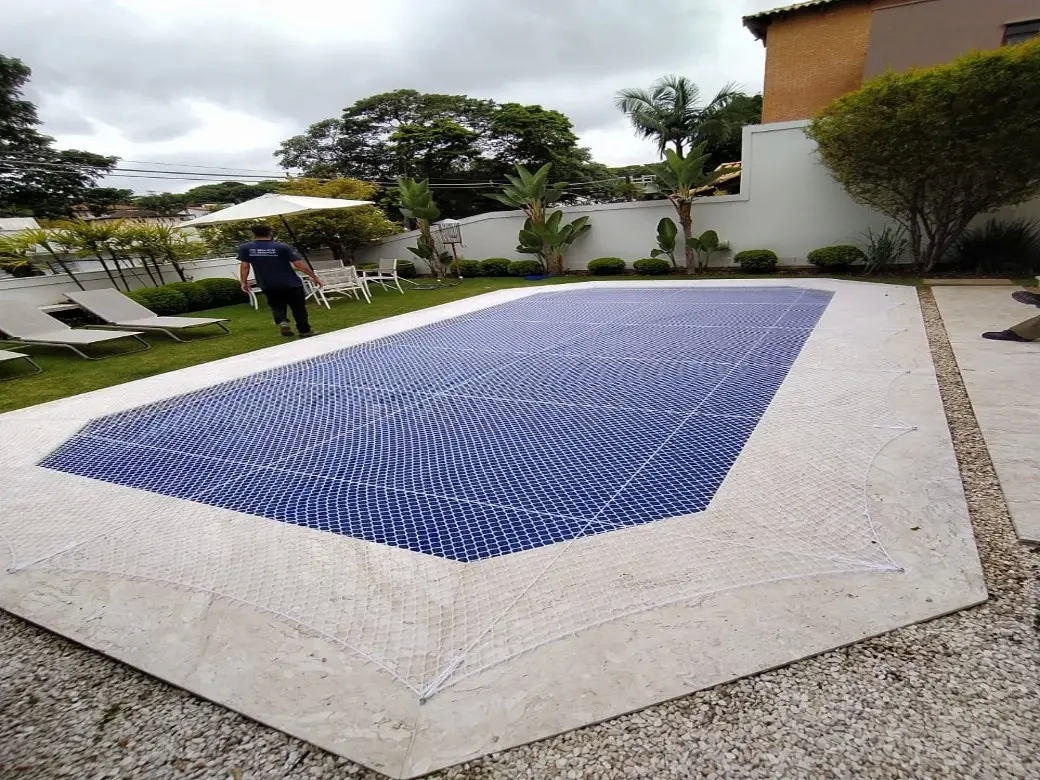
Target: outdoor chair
[24, 323]
[6, 356]
[118, 311]
[342, 281]
[384, 275]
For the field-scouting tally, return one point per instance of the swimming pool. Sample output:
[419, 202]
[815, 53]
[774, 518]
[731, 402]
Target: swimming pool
[534, 422]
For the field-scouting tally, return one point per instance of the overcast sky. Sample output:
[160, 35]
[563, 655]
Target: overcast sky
[222, 82]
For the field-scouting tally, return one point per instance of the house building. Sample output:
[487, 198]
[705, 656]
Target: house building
[820, 50]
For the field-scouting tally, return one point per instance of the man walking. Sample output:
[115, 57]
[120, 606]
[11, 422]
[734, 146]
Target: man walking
[274, 266]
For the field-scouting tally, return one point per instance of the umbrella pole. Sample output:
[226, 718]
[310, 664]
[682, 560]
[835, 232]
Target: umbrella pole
[296, 243]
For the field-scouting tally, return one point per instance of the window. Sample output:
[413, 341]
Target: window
[1021, 32]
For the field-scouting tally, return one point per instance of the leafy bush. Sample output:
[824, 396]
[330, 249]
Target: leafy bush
[524, 268]
[651, 266]
[495, 266]
[836, 256]
[756, 261]
[606, 266]
[884, 247]
[223, 292]
[466, 268]
[1012, 246]
[161, 300]
[406, 269]
[198, 296]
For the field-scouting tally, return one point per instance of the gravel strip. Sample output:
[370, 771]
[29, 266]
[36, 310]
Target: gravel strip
[958, 697]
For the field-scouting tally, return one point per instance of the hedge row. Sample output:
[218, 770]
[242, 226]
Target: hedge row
[182, 297]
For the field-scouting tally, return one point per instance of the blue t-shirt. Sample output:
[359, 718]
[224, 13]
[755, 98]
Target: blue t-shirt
[272, 263]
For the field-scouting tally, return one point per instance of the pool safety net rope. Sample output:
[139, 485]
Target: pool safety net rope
[447, 498]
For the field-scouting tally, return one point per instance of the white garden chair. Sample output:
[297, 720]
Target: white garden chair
[342, 281]
[385, 275]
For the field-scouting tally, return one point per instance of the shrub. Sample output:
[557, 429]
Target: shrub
[494, 266]
[161, 300]
[223, 292]
[756, 261]
[837, 256]
[198, 296]
[606, 266]
[466, 268]
[652, 266]
[1012, 246]
[525, 268]
[406, 269]
[884, 247]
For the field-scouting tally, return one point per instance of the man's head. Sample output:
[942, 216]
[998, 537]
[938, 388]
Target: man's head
[260, 230]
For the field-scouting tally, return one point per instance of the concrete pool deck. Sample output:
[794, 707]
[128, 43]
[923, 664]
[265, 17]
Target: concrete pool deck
[1003, 382]
[314, 687]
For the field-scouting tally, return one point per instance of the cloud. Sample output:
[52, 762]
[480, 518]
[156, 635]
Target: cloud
[145, 67]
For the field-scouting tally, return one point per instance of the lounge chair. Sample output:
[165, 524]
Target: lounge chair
[118, 311]
[24, 323]
[6, 355]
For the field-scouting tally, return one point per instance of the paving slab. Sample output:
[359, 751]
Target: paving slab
[1002, 379]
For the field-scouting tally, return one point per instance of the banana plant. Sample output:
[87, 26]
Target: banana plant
[531, 192]
[666, 235]
[677, 178]
[550, 241]
[705, 245]
[417, 203]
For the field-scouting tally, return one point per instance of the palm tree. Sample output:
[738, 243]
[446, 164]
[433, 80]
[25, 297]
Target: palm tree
[52, 246]
[670, 112]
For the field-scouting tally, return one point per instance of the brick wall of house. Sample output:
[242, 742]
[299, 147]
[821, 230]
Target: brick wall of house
[816, 56]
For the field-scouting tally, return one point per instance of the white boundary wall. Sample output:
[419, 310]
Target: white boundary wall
[50, 289]
[788, 202]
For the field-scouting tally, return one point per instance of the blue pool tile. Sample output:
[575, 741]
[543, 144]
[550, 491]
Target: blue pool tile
[159, 471]
[433, 525]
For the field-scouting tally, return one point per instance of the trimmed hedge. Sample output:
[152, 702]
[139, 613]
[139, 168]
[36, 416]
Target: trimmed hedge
[406, 269]
[524, 268]
[837, 256]
[652, 266]
[494, 266]
[606, 266]
[466, 268]
[223, 292]
[161, 300]
[198, 296]
[757, 261]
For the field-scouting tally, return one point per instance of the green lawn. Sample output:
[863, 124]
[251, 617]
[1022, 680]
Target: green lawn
[66, 374]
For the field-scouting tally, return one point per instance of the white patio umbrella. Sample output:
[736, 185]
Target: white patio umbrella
[274, 205]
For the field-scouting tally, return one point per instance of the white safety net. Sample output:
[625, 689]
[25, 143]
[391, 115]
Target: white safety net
[448, 498]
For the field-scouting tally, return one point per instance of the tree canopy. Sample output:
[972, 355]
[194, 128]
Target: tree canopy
[448, 139]
[229, 192]
[35, 178]
[934, 148]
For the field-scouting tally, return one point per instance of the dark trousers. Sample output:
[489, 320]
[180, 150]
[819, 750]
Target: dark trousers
[282, 298]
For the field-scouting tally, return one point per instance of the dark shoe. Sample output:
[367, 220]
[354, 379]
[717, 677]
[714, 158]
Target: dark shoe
[308, 334]
[1003, 335]
[285, 329]
[1026, 297]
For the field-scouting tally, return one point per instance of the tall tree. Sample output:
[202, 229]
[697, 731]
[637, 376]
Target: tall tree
[229, 192]
[723, 131]
[448, 139]
[35, 178]
[932, 149]
[671, 111]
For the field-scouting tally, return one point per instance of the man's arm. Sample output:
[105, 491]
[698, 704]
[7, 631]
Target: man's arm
[303, 268]
[243, 277]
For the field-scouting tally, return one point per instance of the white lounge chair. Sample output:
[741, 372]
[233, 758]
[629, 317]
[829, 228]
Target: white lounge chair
[118, 311]
[341, 281]
[24, 323]
[6, 355]
[385, 274]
